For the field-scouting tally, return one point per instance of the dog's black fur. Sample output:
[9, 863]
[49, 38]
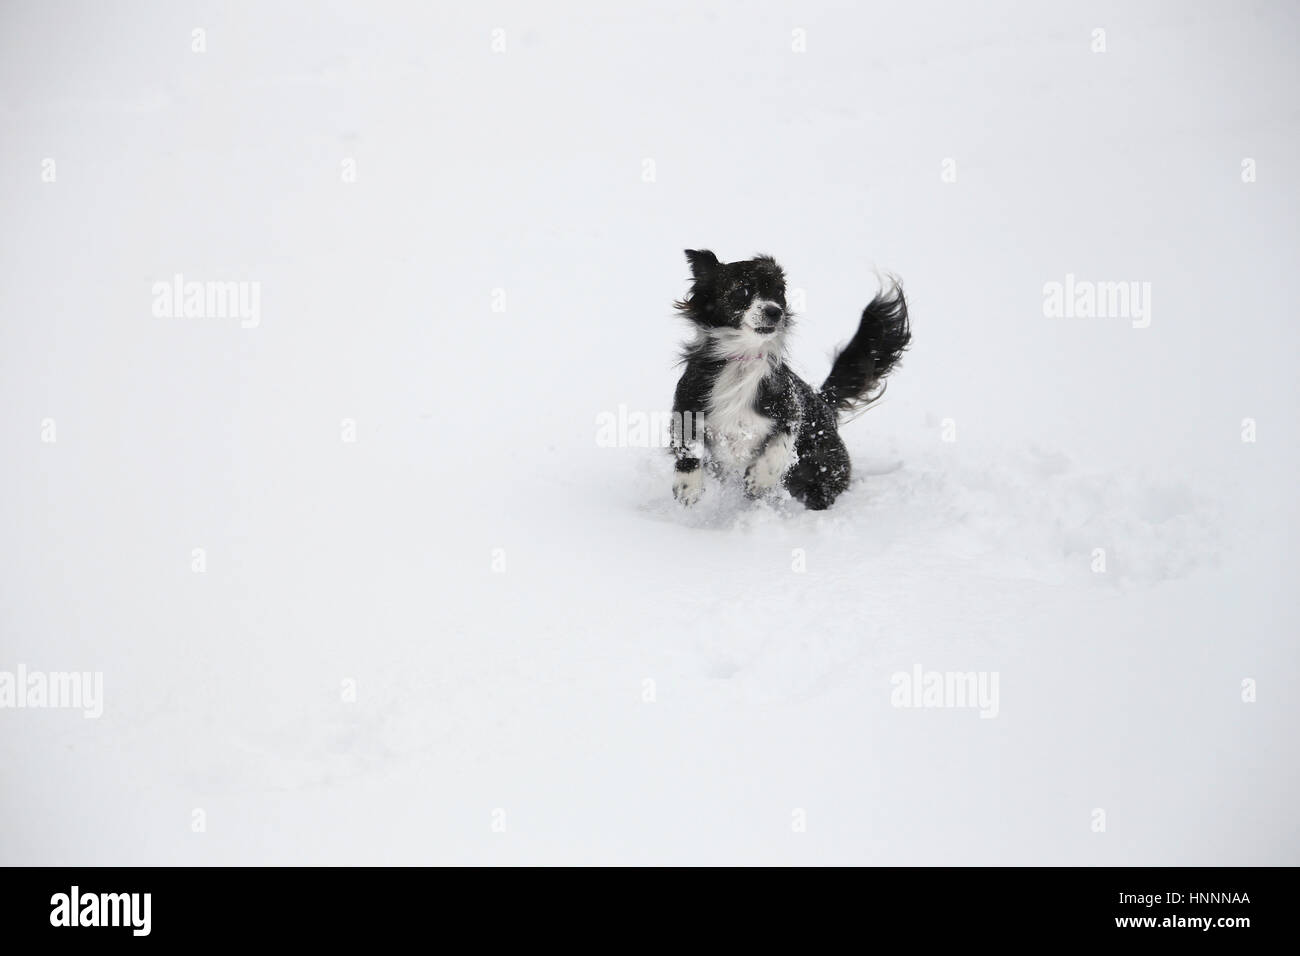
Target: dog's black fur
[758, 416]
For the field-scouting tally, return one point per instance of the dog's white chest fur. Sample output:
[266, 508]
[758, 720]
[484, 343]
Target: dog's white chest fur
[736, 431]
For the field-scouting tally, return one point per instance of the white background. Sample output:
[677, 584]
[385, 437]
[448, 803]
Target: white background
[523, 170]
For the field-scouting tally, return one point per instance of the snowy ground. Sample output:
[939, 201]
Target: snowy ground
[515, 700]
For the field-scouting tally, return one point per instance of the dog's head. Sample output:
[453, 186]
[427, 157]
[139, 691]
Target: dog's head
[744, 301]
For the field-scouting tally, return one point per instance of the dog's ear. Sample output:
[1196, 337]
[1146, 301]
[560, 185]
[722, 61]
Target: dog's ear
[702, 261]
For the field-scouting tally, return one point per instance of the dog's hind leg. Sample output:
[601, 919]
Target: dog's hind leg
[821, 472]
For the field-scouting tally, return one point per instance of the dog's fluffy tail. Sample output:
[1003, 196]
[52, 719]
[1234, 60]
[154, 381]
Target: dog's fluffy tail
[858, 372]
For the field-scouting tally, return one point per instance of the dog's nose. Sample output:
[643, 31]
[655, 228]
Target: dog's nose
[772, 311]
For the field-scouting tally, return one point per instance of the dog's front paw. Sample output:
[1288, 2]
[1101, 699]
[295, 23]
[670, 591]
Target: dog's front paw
[758, 481]
[688, 486]
[766, 471]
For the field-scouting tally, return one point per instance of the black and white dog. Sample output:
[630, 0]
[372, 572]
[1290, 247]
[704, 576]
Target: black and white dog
[759, 418]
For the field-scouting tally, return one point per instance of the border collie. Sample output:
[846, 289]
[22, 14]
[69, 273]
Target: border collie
[759, 418]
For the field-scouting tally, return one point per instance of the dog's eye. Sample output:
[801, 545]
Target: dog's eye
[746, 291]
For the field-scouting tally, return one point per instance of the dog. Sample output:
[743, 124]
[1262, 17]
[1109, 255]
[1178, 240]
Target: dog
[752, 415]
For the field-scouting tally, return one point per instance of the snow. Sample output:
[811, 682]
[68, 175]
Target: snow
[500, 587]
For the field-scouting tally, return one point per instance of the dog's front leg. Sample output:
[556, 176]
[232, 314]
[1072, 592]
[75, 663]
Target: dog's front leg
[688, 450]
[688, 481]
[775, 458]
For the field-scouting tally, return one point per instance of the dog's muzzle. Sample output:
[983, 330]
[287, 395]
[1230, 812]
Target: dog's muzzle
[772, 315]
